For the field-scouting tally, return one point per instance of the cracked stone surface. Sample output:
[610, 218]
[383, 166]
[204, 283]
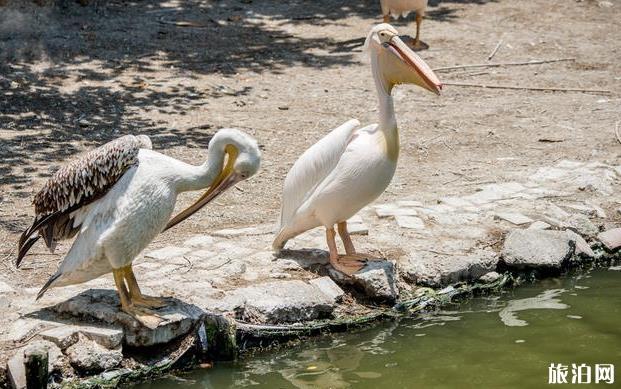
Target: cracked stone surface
[524, 249]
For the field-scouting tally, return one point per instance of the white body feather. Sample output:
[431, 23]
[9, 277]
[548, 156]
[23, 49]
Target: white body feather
[117, 227]
[402, 8]
[334, 179]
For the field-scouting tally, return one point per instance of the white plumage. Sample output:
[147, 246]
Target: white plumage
[121, 222]
[402, 8]
[351, 166]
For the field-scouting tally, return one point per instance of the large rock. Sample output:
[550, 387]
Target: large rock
[88, 356]
[437, 269]
[538, 249]
[282, 302]
[102, 305]
[377, 280]
[67, 335]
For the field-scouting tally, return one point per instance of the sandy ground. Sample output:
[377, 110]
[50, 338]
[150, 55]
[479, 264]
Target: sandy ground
[73, 77]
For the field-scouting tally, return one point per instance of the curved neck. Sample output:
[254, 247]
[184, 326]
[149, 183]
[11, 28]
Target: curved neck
[387, 119]
[202, 176]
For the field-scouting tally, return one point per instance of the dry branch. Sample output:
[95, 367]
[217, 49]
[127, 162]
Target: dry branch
[493, 53]
[533, 88]
[499, 64]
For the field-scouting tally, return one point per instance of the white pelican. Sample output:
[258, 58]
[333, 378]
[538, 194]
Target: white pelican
[351, 166]
[398, 8]
[118, 197]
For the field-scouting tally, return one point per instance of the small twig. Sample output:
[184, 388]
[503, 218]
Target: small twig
[617, 132]
[498, 64]
[493, 53]
[229, 260]
[534, 88]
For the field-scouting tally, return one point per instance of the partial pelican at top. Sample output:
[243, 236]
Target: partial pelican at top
[398, 8]
[351, 166]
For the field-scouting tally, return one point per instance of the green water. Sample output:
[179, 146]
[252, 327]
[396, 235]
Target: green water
[506, 341]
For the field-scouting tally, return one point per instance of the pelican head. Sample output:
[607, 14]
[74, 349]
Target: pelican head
[238, 158]
[396, 62]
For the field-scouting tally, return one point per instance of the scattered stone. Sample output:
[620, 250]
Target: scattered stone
[410, 222]
[513, 218]
[611, 239]
[581, 224]
[107, 337]
[539, 225]
[178, 318]
[537, 249]
[493, 192]
[591, 210]
[582, 247]
[283, 302]
[490, 277]
[328, 287]
[87, 356]
[63, 336]
[168, 252]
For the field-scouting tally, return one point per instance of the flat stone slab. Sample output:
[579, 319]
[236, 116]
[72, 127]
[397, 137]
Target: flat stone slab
[88, 356]
[537, 249]
[328, 287]
[282, 302]
[513, 218]
[103, 305]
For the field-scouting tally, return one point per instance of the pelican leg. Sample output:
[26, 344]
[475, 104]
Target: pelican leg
[418, 44]
[145, 316]
[347, 264]
[386, 18]
[346, 238]
[136, 296]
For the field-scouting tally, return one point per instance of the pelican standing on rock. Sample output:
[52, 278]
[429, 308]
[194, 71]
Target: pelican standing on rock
[118, 197]
[351, 166]
[398, 8]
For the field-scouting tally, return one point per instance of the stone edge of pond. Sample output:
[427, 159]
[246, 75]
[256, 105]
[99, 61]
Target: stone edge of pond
[230, 339]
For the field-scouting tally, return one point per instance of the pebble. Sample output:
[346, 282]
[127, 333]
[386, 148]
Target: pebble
[513, 218]
[410, 222]
[611, 238]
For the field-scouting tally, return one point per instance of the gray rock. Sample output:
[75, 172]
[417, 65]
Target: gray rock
[107, 337]
[283, 302]
[410, 222]
[537, 249]
[63, 336]
[513, 218]
[102, 305]
[582, 247]
[437, 270]
[539, 225]
[611, 238]
[328, 287]
[581, 224]
[87, 356]
[378, 280]
[490, 277]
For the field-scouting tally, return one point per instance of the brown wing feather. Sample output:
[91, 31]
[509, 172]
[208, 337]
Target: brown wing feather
[77, 184]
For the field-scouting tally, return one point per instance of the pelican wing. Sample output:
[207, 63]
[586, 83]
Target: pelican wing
[313, 166]
[76, 185]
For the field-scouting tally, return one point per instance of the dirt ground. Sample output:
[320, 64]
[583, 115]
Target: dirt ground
[74, 77]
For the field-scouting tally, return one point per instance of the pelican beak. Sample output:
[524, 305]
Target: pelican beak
[422, 75]
[220, 185]
[225, 180]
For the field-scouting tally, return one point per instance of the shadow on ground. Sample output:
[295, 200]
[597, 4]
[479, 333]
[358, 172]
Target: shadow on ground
[61, 67]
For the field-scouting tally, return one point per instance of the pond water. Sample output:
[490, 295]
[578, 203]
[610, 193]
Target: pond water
[506, 341]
